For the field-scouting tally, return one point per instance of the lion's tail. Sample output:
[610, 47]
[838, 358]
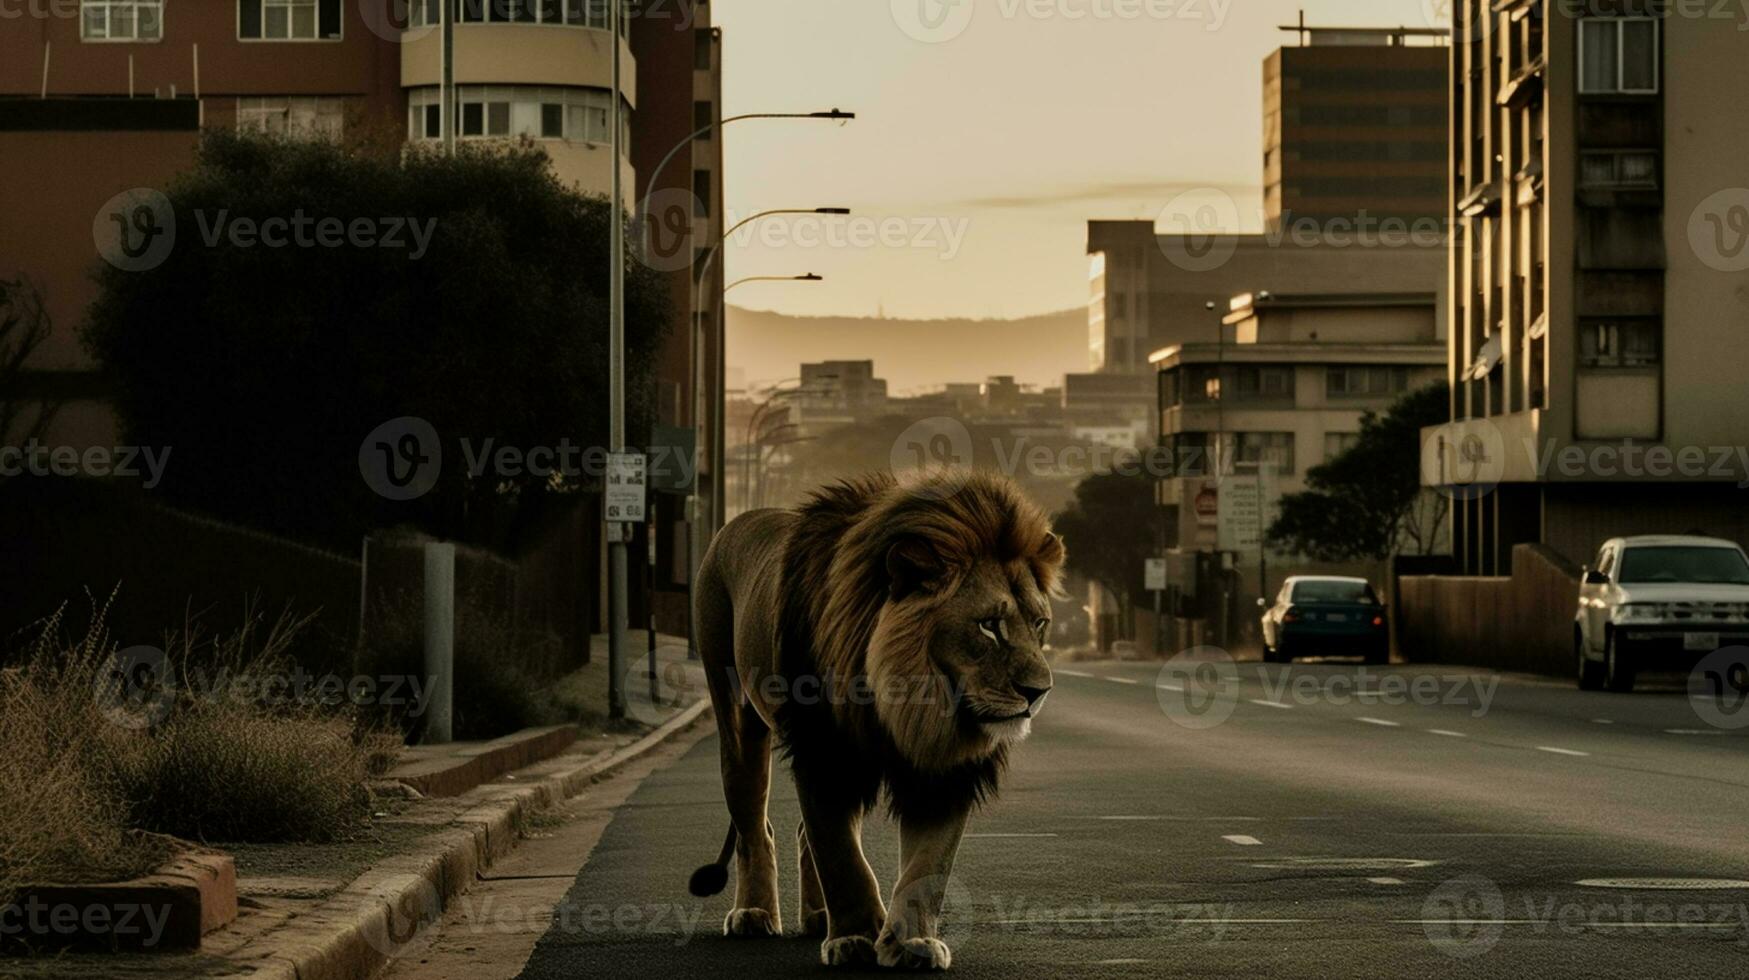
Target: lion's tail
[711, 878]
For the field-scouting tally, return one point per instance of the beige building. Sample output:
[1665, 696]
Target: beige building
[1599, 277]
[1243, 420]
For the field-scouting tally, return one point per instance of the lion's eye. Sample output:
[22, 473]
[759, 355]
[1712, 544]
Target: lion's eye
[991, 628]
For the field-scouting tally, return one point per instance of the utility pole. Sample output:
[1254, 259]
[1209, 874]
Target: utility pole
[446, 91]
[616, 366]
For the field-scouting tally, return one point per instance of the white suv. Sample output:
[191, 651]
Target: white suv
[1658, 601]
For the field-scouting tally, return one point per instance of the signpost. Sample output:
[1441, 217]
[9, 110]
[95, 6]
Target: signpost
[627, 480]
[1154, 573]
[1239, 518]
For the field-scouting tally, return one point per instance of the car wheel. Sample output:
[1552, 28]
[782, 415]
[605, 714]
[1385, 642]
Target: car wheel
[1590, 671]
[1618, 674]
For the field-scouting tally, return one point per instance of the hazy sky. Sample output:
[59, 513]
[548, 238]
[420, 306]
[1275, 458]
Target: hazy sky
[987, 134]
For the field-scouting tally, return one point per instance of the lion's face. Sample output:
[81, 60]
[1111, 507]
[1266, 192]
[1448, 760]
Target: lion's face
[989, 641]
[957, 657]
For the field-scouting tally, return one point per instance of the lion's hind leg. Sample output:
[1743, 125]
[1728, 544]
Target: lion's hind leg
[813, 898]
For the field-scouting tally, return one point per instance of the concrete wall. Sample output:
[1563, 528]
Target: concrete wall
[1521, 622]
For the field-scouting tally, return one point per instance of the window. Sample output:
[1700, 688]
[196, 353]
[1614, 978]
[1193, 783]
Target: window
[1244, 452]
[1362, 381]
[1618, 343]
[701, 193]
[704, 115]
[121, 20]
[1618, 168]
[1687, 564]
[1337, 443]
[305, 116]
[500, 111]
[1263, 383]
[702, 45]
[1618, 55]
[288, 20]
[567, 13]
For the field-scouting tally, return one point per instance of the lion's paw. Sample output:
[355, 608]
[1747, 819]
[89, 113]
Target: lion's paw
[751, 923]
[847, 951]
[920, 953]
[814, 922]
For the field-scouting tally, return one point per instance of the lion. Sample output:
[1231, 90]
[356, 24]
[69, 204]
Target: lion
[891, 636]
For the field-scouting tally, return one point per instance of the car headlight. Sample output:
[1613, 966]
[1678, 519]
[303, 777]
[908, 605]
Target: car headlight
[1635, 612]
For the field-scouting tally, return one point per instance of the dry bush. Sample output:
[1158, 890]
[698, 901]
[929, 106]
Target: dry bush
[99, 752]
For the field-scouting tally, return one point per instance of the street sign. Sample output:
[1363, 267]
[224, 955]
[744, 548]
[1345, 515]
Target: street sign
[1239, 519]
[626, 481]
[1155, 573]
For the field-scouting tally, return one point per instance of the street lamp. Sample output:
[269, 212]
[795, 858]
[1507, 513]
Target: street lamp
[702, 396]
[650, 187]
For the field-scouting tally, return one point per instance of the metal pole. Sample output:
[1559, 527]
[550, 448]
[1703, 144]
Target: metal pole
[616, 365]
[439, 641]
[446, 90]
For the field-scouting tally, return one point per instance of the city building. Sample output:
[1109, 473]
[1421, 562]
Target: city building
[1354, 123]
[1354, 126]
[1152, 290]
[98, 97]
[834, 393]
[1598, 278]
[1283, 392]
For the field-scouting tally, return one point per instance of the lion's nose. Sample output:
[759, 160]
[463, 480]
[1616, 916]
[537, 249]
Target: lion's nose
[1035, 696]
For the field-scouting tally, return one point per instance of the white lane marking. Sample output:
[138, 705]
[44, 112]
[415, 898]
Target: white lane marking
[1123, 680]
[1692, 731]
[1544, 922]
[1173, 816]
[1377, 721]
[1560, 751]
[1602, 721]
[1169, 687]
[1095, 920]
[1072, 673]
[1243, 840]
[968, 836]
[1269, 704]
[1122, 961]
[1386, 881]
[1448, 733]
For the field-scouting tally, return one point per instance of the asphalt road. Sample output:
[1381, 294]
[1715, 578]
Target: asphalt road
[1168, 822]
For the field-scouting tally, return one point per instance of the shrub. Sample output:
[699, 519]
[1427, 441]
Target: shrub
[100, 755]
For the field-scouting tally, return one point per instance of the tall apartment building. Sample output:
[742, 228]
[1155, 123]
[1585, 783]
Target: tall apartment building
[1354, 123]
[1354, 129]
[1599, 277]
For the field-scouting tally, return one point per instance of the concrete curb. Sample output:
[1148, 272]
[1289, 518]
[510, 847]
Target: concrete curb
[447, 774]
[381, 914]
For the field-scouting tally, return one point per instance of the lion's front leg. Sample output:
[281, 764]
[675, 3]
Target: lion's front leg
[833, 828]
[911, 938]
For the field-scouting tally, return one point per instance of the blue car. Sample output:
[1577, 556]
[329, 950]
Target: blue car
[1325, 615]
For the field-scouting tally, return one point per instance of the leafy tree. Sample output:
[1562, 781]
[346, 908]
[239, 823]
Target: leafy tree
[1110, 529]
[1368, 502]
[24, 325]
[264, 368]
